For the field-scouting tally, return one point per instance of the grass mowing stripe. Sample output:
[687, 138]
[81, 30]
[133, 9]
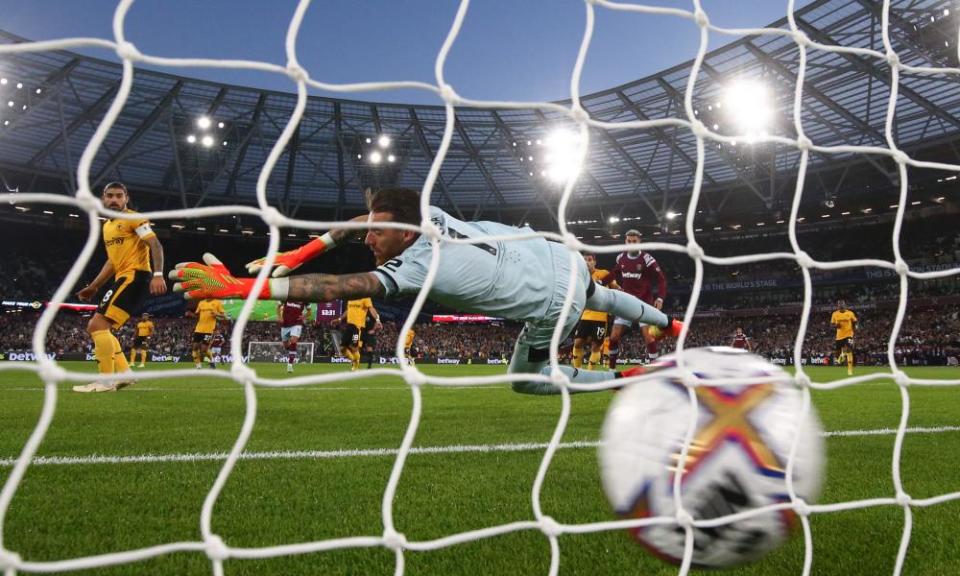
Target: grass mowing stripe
[327, 454]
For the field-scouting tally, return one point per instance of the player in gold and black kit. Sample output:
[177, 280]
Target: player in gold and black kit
[134, 269]
[845, 321]
[592, 328]
[355, 317]
[207, 313]
[142, 340]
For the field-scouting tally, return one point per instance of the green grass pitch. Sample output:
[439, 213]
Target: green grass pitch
[68, 510]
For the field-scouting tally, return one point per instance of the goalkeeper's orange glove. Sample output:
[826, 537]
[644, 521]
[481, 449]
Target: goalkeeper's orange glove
[212, 280]
[287, 262]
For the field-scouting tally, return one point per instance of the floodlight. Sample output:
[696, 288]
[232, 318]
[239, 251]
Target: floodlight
[224, 142]
[3, 81]
[671, 215]
[391, 158]
[383, 141]
[10, 103]
[39, 90]
[24, 107]
[563, 156]
[191, 139]
[375, 157]
[749, 106]
[207, 140]
[369, 140]
[220, 124]
[613, 220]
[19, 85]
[203, 122]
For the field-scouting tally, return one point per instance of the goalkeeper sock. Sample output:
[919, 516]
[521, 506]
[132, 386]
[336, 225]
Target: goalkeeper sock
[594, 359]
[578, 356]
[119, 358]
[577, 376]
[624, 305]
[103, 350]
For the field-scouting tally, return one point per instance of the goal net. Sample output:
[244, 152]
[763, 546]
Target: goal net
[589, 124]
[276, 352]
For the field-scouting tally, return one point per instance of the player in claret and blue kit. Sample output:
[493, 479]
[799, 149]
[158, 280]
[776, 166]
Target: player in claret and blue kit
[291, 316]
[520, 280]
[636, 272]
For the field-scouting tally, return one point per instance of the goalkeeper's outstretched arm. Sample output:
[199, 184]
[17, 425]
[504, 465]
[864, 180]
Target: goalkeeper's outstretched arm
[287, 262]
[212, 280]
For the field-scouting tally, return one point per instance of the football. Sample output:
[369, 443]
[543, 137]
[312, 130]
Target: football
[736, 462]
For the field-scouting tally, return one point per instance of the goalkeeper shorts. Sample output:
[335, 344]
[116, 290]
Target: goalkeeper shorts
[123, 298]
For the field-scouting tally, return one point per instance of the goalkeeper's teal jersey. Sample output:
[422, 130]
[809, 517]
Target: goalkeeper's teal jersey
[523, 280]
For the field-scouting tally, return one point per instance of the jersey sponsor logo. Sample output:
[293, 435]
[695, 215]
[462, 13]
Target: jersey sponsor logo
[632, 275]
[118, 241]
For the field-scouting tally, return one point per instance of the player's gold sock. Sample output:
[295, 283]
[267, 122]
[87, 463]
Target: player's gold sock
[196, 356]
[354, 358]
[143, 356]
[103, 350]
[208, 355]
[850, 363]
[119, 358]
[578, 356]
[133, 356]
[594, 359]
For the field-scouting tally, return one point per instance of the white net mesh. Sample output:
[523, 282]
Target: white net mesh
[214, 546]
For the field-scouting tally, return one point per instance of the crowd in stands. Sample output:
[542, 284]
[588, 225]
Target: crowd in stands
[769, 314]
[929, 336]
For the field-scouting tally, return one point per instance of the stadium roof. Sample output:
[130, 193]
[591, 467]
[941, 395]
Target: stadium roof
[488, 171]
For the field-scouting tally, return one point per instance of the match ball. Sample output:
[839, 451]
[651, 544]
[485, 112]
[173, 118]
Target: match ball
[736, 462]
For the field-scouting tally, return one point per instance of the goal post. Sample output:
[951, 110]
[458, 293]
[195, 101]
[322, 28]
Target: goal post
[276, 352]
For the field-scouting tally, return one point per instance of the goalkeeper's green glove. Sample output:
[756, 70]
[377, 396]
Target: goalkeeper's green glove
[212, 280]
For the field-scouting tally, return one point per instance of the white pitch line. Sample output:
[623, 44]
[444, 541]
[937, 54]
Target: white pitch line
[376, 452]
[304, 388]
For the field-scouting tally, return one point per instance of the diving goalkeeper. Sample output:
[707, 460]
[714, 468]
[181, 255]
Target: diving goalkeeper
[521, 280]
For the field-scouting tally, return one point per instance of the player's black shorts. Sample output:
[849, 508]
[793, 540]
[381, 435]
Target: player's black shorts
[200, 337]
[123, 297]
[141, 341]
[843, 343]
[350, 335]
[594, 329]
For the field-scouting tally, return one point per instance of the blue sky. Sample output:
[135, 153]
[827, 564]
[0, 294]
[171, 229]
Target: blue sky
[507, 49]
